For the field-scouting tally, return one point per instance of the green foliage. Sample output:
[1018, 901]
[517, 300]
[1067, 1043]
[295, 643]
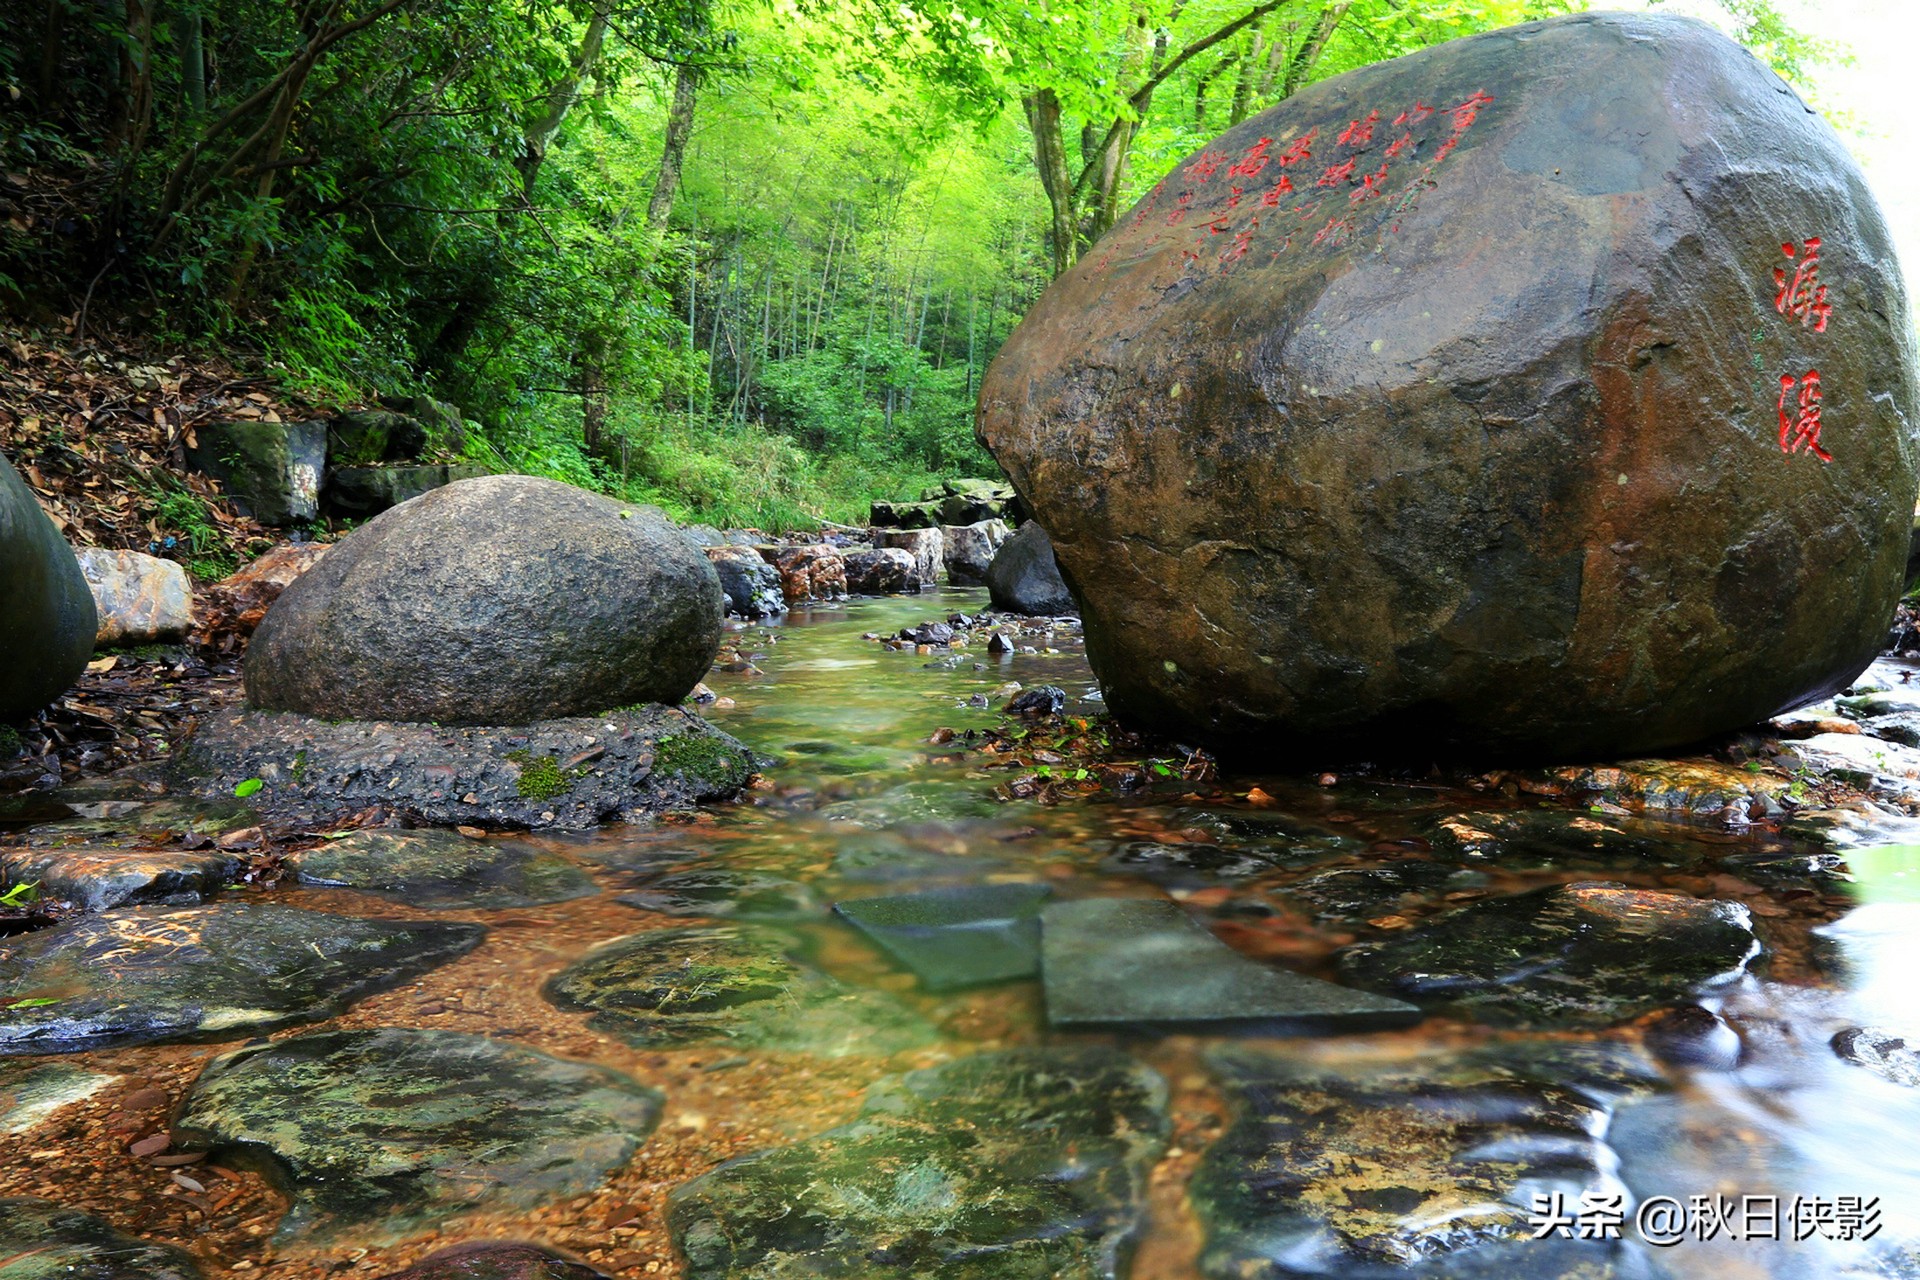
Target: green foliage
[541, 777]
[23, 894]
[251, 786]
[184, 514]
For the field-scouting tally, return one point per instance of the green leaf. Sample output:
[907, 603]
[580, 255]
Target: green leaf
[249, 787]
[33, 1002]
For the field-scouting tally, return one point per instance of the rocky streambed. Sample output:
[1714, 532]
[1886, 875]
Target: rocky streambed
[957, 994]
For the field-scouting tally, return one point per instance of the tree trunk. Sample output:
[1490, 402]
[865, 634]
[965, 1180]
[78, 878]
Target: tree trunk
[561, 99]
[686, 86]
[189, 35]
[1050, 155]
[1304, 58]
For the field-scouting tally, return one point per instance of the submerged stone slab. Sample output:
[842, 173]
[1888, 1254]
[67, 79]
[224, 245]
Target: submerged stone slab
[572, 773]
[29, 1094]
[97, 879]
[1369, 1166]
[436, 869]
[1524, 341]
[377, 1134]
[733, 895]
[40, 1240]
[1556, 836]
[960, 937]
[1026, 1165]
[497, 1262]
[729, 984]
[221, 972]
[1186, 865]
[1127, 962]
[1586, 954]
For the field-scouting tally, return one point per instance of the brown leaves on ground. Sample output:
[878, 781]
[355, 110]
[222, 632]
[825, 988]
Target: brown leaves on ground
[1072, 757]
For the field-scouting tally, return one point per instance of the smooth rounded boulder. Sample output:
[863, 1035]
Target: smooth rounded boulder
[1024, 576]
[498, 600]
[1549, 391]
[47, 615]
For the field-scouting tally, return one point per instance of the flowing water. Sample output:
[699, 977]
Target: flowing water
[1426, 1146]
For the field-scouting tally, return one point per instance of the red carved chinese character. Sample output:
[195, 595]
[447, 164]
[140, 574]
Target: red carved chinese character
[1146, 206]
[1336, 174]
[1800, 421]
[1467, 112]
[1204, 166]
[1299, 149]
[1271, 200]
[1253, 162]
[1238, 249]
[1399, 146]
[1219, 226]
[1177, 217]
[1360, 132]
[1370, 186]
[1335, 233]
[1803, 298]
[1420, 112]
[1233, 197]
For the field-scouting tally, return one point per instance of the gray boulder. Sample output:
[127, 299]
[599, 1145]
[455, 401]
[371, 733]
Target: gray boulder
[1024, 578]
[750, 584]
[926, 546]
[499, 600]
[360, 491]
[47, 617]
[969, 550]
[882, 571]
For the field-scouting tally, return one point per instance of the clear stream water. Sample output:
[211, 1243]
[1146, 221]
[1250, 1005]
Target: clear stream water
[863, 803]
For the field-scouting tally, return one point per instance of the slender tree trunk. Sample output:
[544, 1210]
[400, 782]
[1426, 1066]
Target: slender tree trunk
[686, 87]
[1050, 155]
[189, 34]
[1304, 58]
[561, 99]
[52, 47]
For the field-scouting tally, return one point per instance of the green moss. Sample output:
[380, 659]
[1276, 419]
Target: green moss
[10, 744]
[299, 767]
[701, 757]
[541, 777]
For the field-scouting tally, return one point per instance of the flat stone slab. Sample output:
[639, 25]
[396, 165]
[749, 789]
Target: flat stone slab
[571, 773]
[496, 1262]
[729, 984]
[959, 937]
[31, 1093]
[97, 879]
[1586, 954]
[1128, 961]
[724, 894]
[1025, 1165]
[141, 975]
[40, 1240]
[442, 869]
[376, 1135]
[1367, 1165]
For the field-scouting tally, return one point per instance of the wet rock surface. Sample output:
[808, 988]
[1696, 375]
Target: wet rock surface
[958, 937]
[883, 571]
[1024, 577]
[40, 1240]
[377, 1134]
[47, 615]
[499, 600]
[98, 879]
[497, 1262]
[1186, 864]
[926, 546]
[731, 984]
[1887, 1054]
[142, 974]
[435, 869]
[734, 895]
[751, 585]
[1554, 247]
[814, 572]
[1119, 962]
[570, 773]
[1375, 1168]
[968, 550]
[1024, 1165]
[30, 1092]
[1586, 954]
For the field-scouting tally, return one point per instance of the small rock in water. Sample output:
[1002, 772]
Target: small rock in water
[1024, 1165]
[377, 1134]
[731, 984]
[96, 879]
[141, 975]
[1586, 954]
[1183, 865]
[438, 869]
[40, 1240]
[29, 1093]
[1127, 962]
[1041, 700]
[1885, 1053]
[955, 938]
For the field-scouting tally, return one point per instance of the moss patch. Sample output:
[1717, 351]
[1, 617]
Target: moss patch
[10, 744]
[541, 777]
[702, 758]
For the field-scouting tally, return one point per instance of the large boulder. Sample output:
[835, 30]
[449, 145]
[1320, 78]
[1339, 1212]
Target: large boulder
[140, 599]
[47, 616]
[271, 470]
[498, 600]
[968, 550]
[813, 572]
[928, 548]
[1025, 578]
[882, 571]
[1482, 393]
